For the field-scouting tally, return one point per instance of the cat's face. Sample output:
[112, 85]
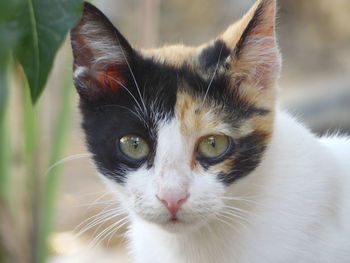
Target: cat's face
[173, 130]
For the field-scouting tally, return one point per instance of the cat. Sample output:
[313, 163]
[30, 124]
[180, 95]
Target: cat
[195, 147]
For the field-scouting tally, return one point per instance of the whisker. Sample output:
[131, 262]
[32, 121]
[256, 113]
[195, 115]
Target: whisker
[96, 219]
[225, 222]
[96, 200]
[98, 223]
[132, 74]
[117, 214]
[114, 231]
[91, 193]
[234, 215]
[231, 219]
[123, 86]
[101, 236]
[111, 234]
[68, 158]
[140, 117]
[233, 208]
[95, 240]
[107, 202]
[212, 78]
[239, 199]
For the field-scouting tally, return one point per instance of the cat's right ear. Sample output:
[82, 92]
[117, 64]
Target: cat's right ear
[102, 56]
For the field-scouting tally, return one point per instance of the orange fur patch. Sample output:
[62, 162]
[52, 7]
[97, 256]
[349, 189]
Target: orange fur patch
[175, 55]
[197, 120]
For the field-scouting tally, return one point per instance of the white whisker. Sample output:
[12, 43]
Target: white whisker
[233, 208]
[102, 235]
[98, 219]
[132, 74]
[232, 215]
[136, 114]
[114, 231]
[68, 158]
[225, 222]
[212, 78]
[123, 86]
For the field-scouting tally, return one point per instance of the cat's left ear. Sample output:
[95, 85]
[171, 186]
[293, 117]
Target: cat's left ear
[102, 56]
[248, 48]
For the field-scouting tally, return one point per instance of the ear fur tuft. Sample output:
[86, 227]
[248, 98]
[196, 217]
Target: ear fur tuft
[100, 53]
[255, 54]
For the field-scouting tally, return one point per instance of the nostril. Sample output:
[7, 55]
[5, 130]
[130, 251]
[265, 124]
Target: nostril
[173, 203]
[165, 202]
[183, 200]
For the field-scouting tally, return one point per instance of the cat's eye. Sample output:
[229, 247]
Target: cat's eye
[213, 146]
[134, 147]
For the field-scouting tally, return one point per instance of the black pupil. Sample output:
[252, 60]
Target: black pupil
[212, 141]
[135, 142]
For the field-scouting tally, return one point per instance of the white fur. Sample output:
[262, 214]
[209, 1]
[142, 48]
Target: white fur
[103, 44]
[80, 70]
[296, 203]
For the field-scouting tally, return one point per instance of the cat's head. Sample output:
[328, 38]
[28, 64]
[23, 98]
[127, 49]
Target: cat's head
[174, 129]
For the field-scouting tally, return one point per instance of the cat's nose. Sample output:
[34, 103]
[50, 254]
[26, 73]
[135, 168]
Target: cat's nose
[173, 200]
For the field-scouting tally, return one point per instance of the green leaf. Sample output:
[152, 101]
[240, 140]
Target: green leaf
[5, 161]
[40, 27]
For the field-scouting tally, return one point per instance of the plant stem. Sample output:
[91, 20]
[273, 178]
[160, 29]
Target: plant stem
[51, 183]
[30, 158]
[5, 160]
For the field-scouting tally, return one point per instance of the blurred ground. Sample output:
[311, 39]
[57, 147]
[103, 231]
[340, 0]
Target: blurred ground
[314, 36]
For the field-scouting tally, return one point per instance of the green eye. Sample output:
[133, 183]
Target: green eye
[213, 146]
[134, 147]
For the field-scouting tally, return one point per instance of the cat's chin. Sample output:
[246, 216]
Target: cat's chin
[180, 226]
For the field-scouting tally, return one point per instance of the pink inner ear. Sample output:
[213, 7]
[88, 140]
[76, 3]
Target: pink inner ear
[111, 78]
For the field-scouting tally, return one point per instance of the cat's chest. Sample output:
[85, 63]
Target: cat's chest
[149, 245]
[231, 245]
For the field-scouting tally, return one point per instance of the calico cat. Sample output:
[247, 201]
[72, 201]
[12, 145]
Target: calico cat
[193, 144]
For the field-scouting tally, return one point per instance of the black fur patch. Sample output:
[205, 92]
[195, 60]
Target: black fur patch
[246, 157]
[117, 113]
[214, 54]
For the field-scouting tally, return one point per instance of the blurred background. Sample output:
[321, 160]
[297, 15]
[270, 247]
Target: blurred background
[314, 38]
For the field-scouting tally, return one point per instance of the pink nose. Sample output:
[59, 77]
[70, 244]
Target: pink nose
[172, 200]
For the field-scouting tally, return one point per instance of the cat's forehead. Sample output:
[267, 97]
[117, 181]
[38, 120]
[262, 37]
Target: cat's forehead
[198, 116]
[203, 99]
[209, 52]
[174, 55]
[198, 59]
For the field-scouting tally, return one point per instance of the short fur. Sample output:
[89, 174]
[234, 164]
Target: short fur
[278, 194]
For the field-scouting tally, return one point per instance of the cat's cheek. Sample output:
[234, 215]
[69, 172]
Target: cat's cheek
[117, 189]
[139, 194]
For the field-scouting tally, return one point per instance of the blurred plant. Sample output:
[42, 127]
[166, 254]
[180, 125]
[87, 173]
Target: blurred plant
[31, 33]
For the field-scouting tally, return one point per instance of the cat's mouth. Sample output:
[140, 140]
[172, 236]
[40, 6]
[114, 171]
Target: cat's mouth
[175, 220]
[177, 226]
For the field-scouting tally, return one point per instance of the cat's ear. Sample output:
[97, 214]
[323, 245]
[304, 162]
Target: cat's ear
[101, 55]
[248, 48]
[256, 54]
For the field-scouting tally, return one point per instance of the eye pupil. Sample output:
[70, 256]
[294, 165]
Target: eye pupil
[135, 142]
[212, 141]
